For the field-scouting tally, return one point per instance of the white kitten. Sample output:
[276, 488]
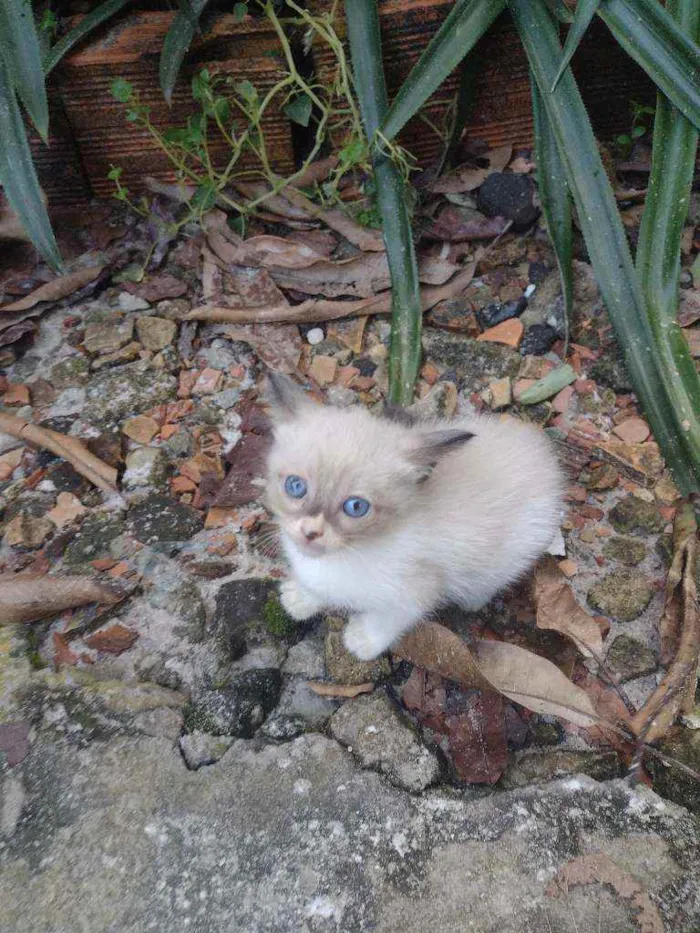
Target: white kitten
[389, 519]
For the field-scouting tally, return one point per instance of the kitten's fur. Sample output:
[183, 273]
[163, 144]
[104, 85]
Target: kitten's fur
[459, 509]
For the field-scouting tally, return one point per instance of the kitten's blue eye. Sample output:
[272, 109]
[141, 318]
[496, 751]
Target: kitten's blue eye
[295, 487]
[355, 507]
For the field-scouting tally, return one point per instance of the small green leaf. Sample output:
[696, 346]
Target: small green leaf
[549, 385]
[240, 11]
[204, 198]
[121, 90]
[638, 132]
[115, 172]
[246, 90]
[21, 52]
[299, 109]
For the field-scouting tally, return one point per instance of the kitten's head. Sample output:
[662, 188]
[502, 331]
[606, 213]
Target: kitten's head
[339, 477]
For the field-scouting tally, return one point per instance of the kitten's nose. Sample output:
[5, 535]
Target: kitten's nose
[311, 535]
[312, 528]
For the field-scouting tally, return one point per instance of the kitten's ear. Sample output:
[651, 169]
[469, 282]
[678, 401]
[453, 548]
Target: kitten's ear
[433, 445]
[287, 400]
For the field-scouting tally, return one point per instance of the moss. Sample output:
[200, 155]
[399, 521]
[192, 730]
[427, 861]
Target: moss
[276, 620]
[196, 719]
[33, 652]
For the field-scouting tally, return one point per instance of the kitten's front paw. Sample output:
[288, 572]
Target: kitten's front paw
[298, 602]
[364, 639]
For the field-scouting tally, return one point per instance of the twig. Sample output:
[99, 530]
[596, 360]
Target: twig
[69, 448]
[28, 597]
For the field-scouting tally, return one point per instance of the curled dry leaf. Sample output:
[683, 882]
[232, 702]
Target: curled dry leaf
[26, 597]
[467, 178]
[597, 868]
[69, 448]
[57, 288]
[558, 610]
[339, 690]
[265, 251]
[362, 237]
[277, 345]
[455, 224]
[680, 627]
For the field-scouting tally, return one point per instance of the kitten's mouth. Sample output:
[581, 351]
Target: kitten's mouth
[312, 548]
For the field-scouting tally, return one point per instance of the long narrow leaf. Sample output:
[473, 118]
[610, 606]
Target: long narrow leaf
[86, 25]
[457, 36]
[648, 34]
[555, 198]
[20, 50]
[176, 43]
[466, 95]
[656, 384]
[406, 320]
[665, 214]
[18, 176]
[585, 11]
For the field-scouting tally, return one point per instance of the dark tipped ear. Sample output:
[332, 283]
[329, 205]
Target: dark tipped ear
[433, 445]
[285, 397]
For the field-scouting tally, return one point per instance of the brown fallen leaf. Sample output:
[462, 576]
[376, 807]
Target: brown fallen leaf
[680, 630]
[69, 448]
[441, 651]
[468, 178]
[244, 481]
[266, 251]
[597, 868]
[27, 597]
[277, 345]
[157, 287]
[455, 224]
[339, 690]
[56, 289]
[477, 739]
[558, 610]
[364, 238]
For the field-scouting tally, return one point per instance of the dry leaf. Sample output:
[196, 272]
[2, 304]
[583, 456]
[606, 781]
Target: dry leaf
[56, 289]
[455, 223]
[69, 448]
[265, 251]
[277, 345]
[597, 868]
[26, 597]
[439, 650]
[680, 626]
[477, 739]
[339, 690]
[558, 610]
[466, 178]
[362, 237]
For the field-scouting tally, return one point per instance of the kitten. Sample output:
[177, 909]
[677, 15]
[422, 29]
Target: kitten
[390, 519]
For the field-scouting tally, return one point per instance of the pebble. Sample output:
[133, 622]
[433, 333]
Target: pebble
[237, 709]
[146, 466]
[141, 428]
[323, 369]
[508, 195]
[500, 393]
[315, 336]
[627, 551]
[632, 430]
[107, 338]
[622, 594]
[207, 382]
[538, 339]
[509, 333]
[129, 302]
[156, 333]
[200, 749]
[629, 658]
[635, 516]
[497, 313]
[27, 531]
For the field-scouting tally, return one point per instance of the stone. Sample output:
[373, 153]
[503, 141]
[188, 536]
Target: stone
[602, 478]
[666, 490]
[627, 551]
[107, 338]
[611, 372]
[500, 393]
[669, 780]
[306, 659]
[296, 837]
[162, 722]
[160, 520]
[141, 429]
[629, 658]
[27, 531]
[477, 362]
[497, 313]
[343, 667]
[170, 590]
[635, 516]
[16, 394]
[323, 369]
[128, 302]
[622, 594]
[239, 708]
[199, 748]
[68, 508]
[538, 766]
[114, 395]
[156, 333]
[562, 399]
[508, 195]
[509, 333]
[239, 611]
[299, 704]
[71, 372]
[14, 742]
[384, 740]
[454, 314]
[568, 567]
[93, 541]
[538, 339]
[207, 382]
[315, 336]
[546, 307]
[632, 430]
[145, 466]
[126, 354]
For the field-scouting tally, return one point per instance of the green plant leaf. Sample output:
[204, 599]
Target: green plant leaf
[585, 11]
[556, 200]
[18, 176]
[299, 109]
[406, 319]
[657, 384]
[121, 90]
[21, 52]
[462, 29]
[659, 247]
[176, 43]
[86, 25]
[240, 11]
[650, 36]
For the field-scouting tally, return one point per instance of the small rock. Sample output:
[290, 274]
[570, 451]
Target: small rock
[68, 507]
[97, 532]
[629, 658]
[382, 739]
[632, 430]
[666, 490]
[162, 723]
[16, 395]
[477, 362]
[14, 741]
[239, 708]
[315, 336]
[299, 703]
[497, 313]
[454, 314]
[207, 382]
[622, 595]
[145, 466]
[540, 766]
[538, 339]
[611, 373]
[238, 610]
[74, 371]
[156, 333]
[127, 354]
[27, 531]
[603, 477]
[627, 551]
[568, 567]
[107, 338]
[343, 667]
[141, 429]
[505, 194]
[158, 519]
[635, 516]
[562, 399]
[500, 393]
[114, 395]
[116, 639]
[668, 779]
[305, 659]
[323, 369]
[509, 333]
[168, 589]
[200, 748]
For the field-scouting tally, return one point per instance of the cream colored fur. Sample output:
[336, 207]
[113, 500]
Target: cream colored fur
[449, 522]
